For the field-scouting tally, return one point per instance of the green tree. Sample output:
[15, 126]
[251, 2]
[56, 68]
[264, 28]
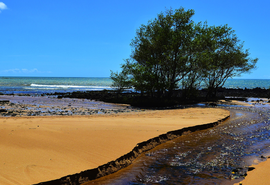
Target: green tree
[162, 49]
[121, 81]
[223, 57]
[196, 63]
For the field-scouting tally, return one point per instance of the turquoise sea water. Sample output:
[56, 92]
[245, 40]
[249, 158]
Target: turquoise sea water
[38, 85]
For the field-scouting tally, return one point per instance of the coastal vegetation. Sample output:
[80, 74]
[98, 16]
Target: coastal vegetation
[172, 53]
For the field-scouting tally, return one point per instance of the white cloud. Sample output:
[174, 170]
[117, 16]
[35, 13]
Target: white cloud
[29, 70]
[2, 6]
[23, 71]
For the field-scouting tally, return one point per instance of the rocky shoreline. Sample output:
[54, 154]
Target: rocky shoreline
[107, 102]
[139, 100]
[21, 106]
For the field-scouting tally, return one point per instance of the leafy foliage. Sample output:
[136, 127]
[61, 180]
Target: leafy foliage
[224, 57]
[121, 80]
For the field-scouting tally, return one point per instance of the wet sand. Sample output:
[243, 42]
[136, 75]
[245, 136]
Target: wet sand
[37, 149]
[260, 175]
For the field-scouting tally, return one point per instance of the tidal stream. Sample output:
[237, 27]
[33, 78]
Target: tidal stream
[219, 155]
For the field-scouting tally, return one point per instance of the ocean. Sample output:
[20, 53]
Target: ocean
[40, 85]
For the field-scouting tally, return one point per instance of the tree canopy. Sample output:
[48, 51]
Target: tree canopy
[173, 52]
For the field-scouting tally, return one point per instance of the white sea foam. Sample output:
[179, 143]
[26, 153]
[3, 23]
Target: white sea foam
[69, 87]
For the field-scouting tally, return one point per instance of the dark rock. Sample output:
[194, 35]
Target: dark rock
[4, 101]
[3, 110]
[212, 104]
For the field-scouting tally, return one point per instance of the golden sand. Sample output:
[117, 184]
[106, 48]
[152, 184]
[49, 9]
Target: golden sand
[260, 175]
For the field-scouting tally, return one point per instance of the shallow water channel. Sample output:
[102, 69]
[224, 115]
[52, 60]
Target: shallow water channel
[220, 155]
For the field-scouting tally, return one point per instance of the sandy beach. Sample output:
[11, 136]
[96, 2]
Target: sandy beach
[259, 175]
[37, 149]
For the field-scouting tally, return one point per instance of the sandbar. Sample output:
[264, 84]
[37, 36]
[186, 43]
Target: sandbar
[38, 149]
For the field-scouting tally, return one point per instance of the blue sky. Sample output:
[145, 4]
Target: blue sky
[87, 38]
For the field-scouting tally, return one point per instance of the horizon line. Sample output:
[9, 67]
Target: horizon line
[237, 78]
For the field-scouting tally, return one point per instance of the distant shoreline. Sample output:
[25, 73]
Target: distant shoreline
[137, 100]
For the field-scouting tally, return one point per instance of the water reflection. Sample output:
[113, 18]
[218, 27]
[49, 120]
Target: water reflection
[213, 156]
